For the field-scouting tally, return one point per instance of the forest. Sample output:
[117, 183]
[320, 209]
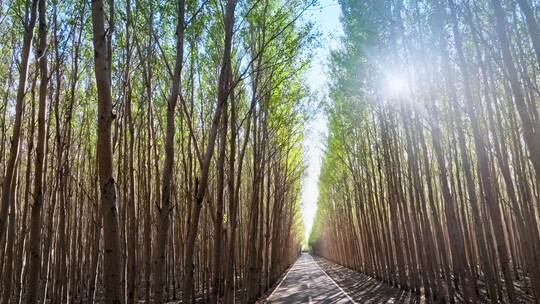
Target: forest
[151, 151]
[431, 174]
[154, 151]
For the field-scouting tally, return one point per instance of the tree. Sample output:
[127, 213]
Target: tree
[109, 213]
[28, 25]
[35, 226]
[165, 209]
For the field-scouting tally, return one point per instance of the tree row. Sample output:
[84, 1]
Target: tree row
[150, 150]
[430, 180]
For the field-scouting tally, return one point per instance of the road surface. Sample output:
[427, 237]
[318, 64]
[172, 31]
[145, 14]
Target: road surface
[306, 282]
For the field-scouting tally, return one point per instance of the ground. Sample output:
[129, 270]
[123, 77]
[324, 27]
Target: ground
[317, 280]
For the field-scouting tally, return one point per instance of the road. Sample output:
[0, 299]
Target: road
[306, 282]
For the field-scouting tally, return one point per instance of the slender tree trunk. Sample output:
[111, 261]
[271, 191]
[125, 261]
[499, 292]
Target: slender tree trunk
[218, 241]
[132, 274]
[112, 262]
[166, 207]
[223, 94]
[8, 270]
[35, 222]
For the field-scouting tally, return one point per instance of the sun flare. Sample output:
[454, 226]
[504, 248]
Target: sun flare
[396, 84]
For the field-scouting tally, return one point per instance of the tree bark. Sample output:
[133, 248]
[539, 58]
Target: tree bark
[166, 208]
[112, 262]
[35, 224]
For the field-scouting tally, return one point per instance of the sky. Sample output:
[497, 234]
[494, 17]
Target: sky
[326, 19]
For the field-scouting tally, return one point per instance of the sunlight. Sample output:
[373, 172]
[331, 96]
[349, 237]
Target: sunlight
[396, 84]
[316, 131]
[314, 138]
[309, 208]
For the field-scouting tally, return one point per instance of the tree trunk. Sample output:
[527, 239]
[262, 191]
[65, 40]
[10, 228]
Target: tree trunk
[112, 262]
[223, 94]
[35, 224]
[165, 209]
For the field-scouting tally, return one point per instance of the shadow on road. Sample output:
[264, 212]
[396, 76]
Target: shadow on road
[365, 289]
